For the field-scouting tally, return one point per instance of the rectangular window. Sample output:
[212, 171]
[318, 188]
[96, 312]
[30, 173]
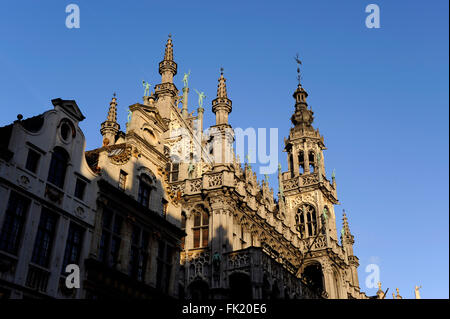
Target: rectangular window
[13, 223]
[58, 167]
[80, 186]
[144, 193]
[164, 266]
[44, 238]
[196, 233]
[175, 170]
[73, 246]
[111, 238]
[138, 253]
[122, 180]
[32, 160]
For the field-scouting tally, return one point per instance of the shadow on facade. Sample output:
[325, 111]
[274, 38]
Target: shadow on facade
[135, 246]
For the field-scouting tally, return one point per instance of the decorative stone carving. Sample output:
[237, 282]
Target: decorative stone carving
[215, 180]
[80, 213]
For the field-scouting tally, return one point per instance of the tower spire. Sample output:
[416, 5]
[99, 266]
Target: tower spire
[110, 127]
[168, 54]
[222, 87]
[345, 224]
[166, 93]
[223, 135]
[221, 105]
[168, 67]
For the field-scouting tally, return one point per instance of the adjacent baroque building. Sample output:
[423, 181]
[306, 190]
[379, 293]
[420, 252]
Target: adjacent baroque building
[165, 210]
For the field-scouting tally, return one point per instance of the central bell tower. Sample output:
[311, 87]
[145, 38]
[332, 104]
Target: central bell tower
[308, 200]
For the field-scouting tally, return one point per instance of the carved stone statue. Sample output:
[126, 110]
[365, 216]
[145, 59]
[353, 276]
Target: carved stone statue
[201, 96]
[416, 292]
[146, 86]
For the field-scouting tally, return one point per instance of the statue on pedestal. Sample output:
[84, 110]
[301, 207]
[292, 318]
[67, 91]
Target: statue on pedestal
[416, 292]
[146, 86]
[185, 78]
[201, 96]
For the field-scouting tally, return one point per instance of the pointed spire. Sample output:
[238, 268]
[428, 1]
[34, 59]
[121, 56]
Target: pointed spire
[345, 224]
[222, 87]
[167, 67]
[168, 54]
[112, 112]
[221, 104]
[110, 127]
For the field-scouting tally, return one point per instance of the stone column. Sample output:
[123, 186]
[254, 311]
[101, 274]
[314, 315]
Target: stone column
[295, 162]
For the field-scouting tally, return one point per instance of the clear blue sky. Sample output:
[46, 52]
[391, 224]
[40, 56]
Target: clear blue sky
[380, 96]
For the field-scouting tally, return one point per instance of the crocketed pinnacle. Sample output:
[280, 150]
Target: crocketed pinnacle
[112, 112]
[168, 54]
[222, 87]
[345, 224]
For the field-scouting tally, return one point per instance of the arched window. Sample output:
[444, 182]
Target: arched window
[313, 276]
[306, 221]
[145, 188]
[200, 229]
[58, 165]
[312, 163]
[301, 162]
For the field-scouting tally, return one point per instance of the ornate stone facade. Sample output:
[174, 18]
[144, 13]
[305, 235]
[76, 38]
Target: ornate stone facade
[177, 215]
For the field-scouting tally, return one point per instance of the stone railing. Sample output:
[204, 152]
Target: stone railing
[319, 243]
[300, 181]
[195, 186]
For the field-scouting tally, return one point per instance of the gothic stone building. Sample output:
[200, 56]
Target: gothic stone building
[167, 210]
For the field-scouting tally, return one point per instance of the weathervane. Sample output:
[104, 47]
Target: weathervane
[299, 62]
